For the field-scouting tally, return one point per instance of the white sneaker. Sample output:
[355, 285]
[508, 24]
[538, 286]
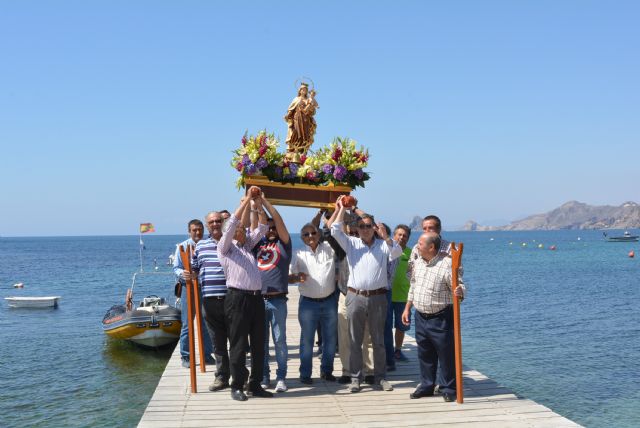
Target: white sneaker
[281, 386]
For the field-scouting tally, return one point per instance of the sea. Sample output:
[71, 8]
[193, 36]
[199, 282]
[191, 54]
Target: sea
[559, 326]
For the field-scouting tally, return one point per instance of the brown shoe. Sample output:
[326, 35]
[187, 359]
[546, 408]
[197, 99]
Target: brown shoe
[218, 384]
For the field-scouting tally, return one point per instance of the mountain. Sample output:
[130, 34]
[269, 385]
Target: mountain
[574, 215]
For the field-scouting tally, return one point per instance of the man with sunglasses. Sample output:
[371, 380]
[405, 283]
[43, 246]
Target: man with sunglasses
[206, 262]
[314, 268]
[273, 254]
[367, 258]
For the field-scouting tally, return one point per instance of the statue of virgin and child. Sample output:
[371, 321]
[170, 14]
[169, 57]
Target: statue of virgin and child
[301, 123]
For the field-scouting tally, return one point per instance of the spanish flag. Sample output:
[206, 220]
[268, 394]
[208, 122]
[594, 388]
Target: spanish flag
[147, 227]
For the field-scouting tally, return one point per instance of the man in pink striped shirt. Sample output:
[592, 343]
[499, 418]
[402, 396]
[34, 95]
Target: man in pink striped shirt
[243, 306]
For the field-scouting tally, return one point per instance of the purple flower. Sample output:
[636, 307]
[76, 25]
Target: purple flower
[246, 160]
[340, 172]
[327, 168]
[278, 171]
[262, 163]
[294, 169]
[358, 173]
[251, 169]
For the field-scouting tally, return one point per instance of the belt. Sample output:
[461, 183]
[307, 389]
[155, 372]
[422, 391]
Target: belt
[216, 297]
[250, 292]
[435, 314]
[367, 293]
[321, 299]
[273, 296]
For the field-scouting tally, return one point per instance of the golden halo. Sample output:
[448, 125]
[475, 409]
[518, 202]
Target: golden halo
[306, 80]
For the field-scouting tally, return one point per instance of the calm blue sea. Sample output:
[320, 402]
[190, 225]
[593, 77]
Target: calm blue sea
[560, 327]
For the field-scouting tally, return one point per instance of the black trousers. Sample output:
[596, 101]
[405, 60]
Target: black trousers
[434, 336]
[244, 314]
[217, 325]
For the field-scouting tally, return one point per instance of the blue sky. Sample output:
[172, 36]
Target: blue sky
[115, 113]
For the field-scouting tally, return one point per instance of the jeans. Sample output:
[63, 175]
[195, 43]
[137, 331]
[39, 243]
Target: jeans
[389, 343]
[310, 313]
[184, 331]
[275, 310]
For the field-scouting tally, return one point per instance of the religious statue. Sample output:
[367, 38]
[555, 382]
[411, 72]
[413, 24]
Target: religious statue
[302, 125]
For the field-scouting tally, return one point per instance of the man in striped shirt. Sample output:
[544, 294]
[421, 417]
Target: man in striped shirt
[214, 289]
[432, 296]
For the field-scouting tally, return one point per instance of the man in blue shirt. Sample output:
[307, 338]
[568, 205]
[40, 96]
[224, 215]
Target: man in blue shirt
[196, 230]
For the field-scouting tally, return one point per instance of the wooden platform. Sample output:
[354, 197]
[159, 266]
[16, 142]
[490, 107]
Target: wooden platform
[329, 404]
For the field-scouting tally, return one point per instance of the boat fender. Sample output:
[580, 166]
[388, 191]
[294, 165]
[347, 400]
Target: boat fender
[632, 254]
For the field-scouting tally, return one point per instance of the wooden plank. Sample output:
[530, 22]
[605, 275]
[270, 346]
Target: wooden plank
[487, 403]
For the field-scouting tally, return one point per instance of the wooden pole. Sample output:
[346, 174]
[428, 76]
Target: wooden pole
[192, 357]
[199, 323]
[456, 257]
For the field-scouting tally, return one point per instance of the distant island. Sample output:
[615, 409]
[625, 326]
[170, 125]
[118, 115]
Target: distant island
[573, 215]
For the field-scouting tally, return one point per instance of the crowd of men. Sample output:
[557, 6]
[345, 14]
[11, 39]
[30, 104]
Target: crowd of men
[357, 279]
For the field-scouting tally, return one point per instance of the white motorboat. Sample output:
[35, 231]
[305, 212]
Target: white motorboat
[33, 302]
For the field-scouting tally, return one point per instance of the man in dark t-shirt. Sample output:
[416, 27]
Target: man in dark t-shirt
[273, 254]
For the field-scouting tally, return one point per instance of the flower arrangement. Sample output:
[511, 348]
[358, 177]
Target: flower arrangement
[339, 163]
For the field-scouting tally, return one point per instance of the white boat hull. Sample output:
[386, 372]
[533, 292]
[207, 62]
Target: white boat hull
[33, 302]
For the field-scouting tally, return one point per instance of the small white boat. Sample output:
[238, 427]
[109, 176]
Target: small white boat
[18, 285]
[33, 302]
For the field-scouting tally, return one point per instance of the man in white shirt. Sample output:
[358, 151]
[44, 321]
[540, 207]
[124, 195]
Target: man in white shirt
[367, 258]
[314, 268]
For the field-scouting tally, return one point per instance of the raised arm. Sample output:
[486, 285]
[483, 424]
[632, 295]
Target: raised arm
[283, 233]
[336, 226]
[230, 226]
[258, 232]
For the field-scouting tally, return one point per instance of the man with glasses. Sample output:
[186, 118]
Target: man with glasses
[314, 268]
[367, 258]
[196, 230]
[273, 254]
[213, 284]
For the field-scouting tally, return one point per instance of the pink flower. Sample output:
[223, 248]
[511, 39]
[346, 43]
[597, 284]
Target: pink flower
[239, 166]
[244, 140]
[303, 158]
[337, 154]
[262, 151]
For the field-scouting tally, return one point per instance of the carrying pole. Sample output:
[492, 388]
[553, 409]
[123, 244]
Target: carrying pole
[192, 345]
[199, 323]
[456, 257]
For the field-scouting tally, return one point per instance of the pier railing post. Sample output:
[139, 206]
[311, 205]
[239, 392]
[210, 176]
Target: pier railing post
[186, 263]
[456, 257]
[199, 323]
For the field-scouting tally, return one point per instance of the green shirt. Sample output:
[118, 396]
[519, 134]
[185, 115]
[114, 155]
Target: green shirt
[400, 287]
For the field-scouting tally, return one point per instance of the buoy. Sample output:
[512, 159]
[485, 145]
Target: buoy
[510, 243]
[18, 285]
[491, 239]
[632, 254]
[524, 244]
[540, 246]
[552, 248]
[579, 238]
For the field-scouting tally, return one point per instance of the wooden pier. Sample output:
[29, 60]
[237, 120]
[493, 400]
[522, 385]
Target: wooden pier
[329, 404]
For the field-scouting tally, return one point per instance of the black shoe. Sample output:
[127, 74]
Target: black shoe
[448, 397]
[260, 393]
[306, 380]
[419, 394]
[344, 379]
[238, 395]
[369, 380]
[328, 377]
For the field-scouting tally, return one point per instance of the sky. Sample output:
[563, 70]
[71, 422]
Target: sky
[114, 113]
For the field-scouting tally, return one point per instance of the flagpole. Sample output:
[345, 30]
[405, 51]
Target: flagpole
[141, 245]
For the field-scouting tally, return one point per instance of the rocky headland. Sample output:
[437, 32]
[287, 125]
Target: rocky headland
[573, 215]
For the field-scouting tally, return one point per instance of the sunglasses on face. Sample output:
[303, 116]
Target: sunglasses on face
[365, 226]
[308, 234]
